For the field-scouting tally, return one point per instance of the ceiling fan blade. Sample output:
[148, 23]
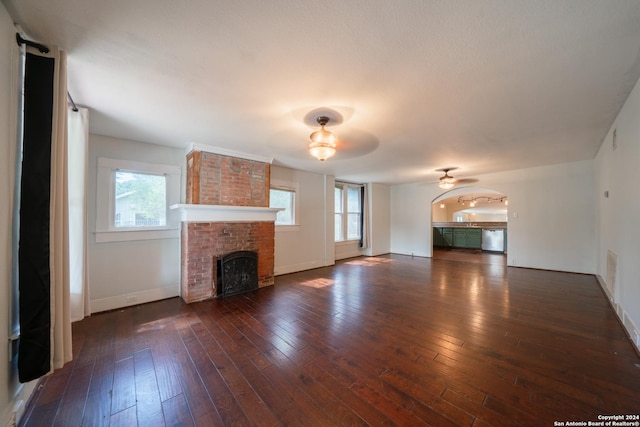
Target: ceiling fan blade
[466, 181]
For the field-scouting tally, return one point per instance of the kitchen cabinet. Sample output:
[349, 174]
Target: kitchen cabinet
[458, 237]
[447, 237]
[474, 238]
[437, 236]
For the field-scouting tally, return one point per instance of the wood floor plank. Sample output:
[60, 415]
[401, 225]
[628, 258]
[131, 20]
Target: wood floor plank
[253, 406]
[148, 404]
[273, 397]
[177, 412]
[223, 399]
[363, 409]
[72, 404]
[459, 339]
[124, 386]
[124, 418]
[199, 401]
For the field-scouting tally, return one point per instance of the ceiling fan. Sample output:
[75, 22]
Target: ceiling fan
[446, 181]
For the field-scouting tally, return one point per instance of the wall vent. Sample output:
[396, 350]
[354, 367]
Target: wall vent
[612, 265]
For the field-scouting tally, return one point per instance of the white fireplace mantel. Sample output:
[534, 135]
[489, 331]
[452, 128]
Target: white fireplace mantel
[222, 213]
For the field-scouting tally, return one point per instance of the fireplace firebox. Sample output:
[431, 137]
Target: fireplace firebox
[237, 273]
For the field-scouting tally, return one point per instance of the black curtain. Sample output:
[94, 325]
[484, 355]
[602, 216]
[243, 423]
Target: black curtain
[33, 248]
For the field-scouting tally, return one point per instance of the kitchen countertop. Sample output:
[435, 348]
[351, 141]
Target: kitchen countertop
[482, 225]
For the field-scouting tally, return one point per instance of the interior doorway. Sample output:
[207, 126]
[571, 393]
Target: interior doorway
[471, 225]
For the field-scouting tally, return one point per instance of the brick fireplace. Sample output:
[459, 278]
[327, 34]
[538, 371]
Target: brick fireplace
[226, 210]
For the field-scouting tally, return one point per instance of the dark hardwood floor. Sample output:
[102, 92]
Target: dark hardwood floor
[390, 340]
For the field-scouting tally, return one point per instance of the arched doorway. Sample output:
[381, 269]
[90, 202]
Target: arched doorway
[470, 223]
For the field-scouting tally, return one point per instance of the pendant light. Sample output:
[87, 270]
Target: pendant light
[447, 181]
[323, 142]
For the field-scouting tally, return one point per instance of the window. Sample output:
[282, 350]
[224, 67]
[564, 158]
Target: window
[285, 199]
[347, 212]
[133, 200]
[284, 195]
[338, 195]
[140, 200]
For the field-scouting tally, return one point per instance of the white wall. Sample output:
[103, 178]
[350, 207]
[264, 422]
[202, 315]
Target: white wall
[439, 214]
[618, 227]
[380, 219]
[411, 218]
[305, 246]
[7, 156]
[555, 224]
[130, 272]
[311, 243]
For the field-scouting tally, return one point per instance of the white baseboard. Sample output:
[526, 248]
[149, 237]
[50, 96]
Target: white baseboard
[15, 409]
[294, 268]
[630, 327]
[417, 254]
[126, 300]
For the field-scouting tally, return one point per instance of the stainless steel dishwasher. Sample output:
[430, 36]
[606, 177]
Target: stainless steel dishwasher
[493, 239]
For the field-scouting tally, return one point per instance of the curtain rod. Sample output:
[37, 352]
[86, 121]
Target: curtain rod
[73, 104]
[43, 49]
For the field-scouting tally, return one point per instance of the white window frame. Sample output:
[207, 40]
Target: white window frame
[277, 184]
[106, 231]
[345, 210]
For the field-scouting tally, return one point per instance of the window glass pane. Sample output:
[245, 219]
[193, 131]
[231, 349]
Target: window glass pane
[338, 199]
[353, 199]
[140, 200]
[279, 198]
[338, 229]
[353, 226]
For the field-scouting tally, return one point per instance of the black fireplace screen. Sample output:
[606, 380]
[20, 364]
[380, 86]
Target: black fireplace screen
[237, 273]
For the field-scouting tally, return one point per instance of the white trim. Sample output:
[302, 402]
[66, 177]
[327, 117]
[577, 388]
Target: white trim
[345, 187]
[194, 146]
[119, 301]
[629, 326]
[419, 254]
[130, 165]
[294, 187]
[105, 201]
[223, 213]
[129, 236]
[17, 406]
[287, 228]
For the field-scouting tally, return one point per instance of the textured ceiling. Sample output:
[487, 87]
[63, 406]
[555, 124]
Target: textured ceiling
[418, 85]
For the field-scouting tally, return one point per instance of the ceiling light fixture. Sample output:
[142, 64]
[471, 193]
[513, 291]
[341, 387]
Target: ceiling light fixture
[323, 142]
[473, 201]
[446, 181]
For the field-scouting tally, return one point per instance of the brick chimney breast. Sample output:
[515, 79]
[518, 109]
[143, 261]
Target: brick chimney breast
[215, 179]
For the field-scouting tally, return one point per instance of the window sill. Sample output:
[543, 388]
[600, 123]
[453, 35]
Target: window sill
[132, 235]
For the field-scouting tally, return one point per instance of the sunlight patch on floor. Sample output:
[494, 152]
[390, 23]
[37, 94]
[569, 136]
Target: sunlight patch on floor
[318, 283]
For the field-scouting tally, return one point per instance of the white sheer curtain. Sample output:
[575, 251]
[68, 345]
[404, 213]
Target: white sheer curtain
[78, 140]
[61, 351]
